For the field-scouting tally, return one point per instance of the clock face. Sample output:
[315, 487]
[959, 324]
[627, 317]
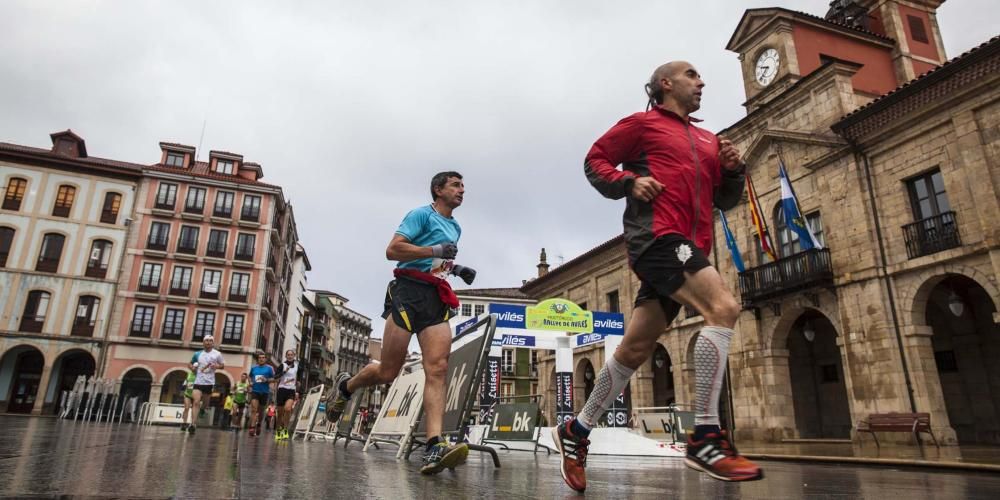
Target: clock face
[767, 67]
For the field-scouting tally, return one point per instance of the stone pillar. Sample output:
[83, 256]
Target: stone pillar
[154, 392]
[926, 382]
[43, 389]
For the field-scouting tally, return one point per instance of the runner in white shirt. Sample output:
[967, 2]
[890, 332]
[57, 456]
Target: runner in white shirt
[289, 371]
[204, 365]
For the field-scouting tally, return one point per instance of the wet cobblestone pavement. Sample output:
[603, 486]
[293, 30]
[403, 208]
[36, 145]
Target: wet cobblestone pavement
[44, 457]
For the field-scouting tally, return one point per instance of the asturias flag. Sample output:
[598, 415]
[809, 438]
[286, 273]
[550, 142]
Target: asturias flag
[793, 214]
[731, 243]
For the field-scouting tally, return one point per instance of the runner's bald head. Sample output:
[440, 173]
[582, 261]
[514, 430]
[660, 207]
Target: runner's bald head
[668, 71]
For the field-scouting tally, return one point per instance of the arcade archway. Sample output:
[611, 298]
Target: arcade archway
[816, 372]
[21, 372]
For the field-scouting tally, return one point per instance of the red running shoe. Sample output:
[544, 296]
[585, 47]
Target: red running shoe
[716, 456]
[574, 455]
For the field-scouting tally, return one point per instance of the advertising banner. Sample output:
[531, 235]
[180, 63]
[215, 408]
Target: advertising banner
[564, 396]
[462, 365]
[489, 389]
[618, 414]
[508, 316]
[514, 422]
[402, 405]
[560, 315]
[465, 325]
[307, 415]
[510, 340]
[656, 426]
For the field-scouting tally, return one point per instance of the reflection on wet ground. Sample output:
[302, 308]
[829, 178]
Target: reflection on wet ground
[989, 455]
[48, 457]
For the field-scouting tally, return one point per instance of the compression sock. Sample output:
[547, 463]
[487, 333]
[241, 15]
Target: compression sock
[711, 351]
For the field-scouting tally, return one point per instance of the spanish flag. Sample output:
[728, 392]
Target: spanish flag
[759, 222]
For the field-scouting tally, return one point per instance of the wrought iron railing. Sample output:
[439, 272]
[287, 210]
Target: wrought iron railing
[931, 235]
[790, 274]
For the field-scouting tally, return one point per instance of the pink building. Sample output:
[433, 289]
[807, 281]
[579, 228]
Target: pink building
[206, 255]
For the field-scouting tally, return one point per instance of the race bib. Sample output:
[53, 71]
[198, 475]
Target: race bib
[259, 379]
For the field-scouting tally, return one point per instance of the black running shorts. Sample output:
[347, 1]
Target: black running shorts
[661, 270]
[414, 305]
[204, 388]
[284, 394]
[260, 397]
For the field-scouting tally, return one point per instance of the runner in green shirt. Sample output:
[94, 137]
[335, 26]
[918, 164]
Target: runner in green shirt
[240, 401]
[188, 400]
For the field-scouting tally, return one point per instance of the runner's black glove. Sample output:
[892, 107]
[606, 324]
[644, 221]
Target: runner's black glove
[445, 250]
[467, 274]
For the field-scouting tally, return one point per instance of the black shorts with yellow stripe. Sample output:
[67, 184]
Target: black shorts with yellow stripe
[414, 305]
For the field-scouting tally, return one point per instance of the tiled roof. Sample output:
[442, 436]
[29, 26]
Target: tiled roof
[176, 145]
[617, 241]
[499, 293]
[89, 160]
[200, 169]
[941, 81]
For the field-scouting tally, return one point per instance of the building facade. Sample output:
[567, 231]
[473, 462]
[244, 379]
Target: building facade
[206, 256]
[893, 155]
[296, 330]
[64, 222]
[350, 332]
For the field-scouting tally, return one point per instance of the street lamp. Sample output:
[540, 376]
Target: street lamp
[808, 331]
[955, 304]
[659, 359]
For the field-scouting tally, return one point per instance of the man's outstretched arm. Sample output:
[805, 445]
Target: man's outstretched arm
[401, 250]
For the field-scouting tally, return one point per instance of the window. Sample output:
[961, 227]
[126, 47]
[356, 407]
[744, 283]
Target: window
[244, 246]
[251, 208]
[149, 279]
[188, 241]
[917, 30]
[210, 283]
[86, 316]
[224, 166]
[64, 201]
[6, 241]
[614, 304]
[175, 160]
[48, 258]
[217, 243]
[479, 308]
[112, 205]
[166, 196]
[15, 193]
[158, 234]
[239, 287]
[788, 240]
[204, 324]
[232, 331]
[506, 389]
[195, 202]
[142, 321]
[534, 364]
[35, 309]
[223, 205]
[173, 324]
[180, 281]
[466, 309]
[507, 362]
[100, 257]
[927, 196]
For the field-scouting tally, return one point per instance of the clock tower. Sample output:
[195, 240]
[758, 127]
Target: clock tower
[892, 41]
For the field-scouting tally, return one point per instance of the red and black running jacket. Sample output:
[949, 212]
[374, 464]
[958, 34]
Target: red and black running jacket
[684, 158]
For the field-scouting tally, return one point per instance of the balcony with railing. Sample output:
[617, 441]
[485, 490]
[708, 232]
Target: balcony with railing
[931, 235]
[82, 327]
[99, 271]
[109, 216]
[157, 242]
[32, 323]
[46, 265]
[216, 251]
[808, 269]
[239, 295]
[187, 246]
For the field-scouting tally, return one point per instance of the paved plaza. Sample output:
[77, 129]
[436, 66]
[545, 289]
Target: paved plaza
[44, 457]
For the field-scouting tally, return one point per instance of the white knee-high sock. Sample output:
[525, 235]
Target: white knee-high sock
[609, 384]
[711, 351]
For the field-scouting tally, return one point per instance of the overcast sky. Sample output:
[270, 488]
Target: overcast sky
[352, 106]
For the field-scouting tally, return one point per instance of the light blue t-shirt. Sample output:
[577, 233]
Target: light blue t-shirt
[425, 227]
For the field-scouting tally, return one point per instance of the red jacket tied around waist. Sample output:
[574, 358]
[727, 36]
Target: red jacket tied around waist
[444, 290]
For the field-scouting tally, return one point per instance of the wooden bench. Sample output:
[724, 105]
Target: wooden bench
[914, 423]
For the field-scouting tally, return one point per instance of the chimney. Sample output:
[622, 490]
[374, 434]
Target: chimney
[543, 265]
[67, 143]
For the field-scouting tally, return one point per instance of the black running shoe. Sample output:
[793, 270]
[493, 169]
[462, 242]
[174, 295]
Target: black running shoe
[441, 456]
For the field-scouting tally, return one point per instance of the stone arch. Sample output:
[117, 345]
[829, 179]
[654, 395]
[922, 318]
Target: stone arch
[816, 375]
[138, 366]
[134, 384]
[172, 382]
[20, 389]
[63, 377]
[662, 369]
[582, 387]
[917, 294]
[789, 315]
